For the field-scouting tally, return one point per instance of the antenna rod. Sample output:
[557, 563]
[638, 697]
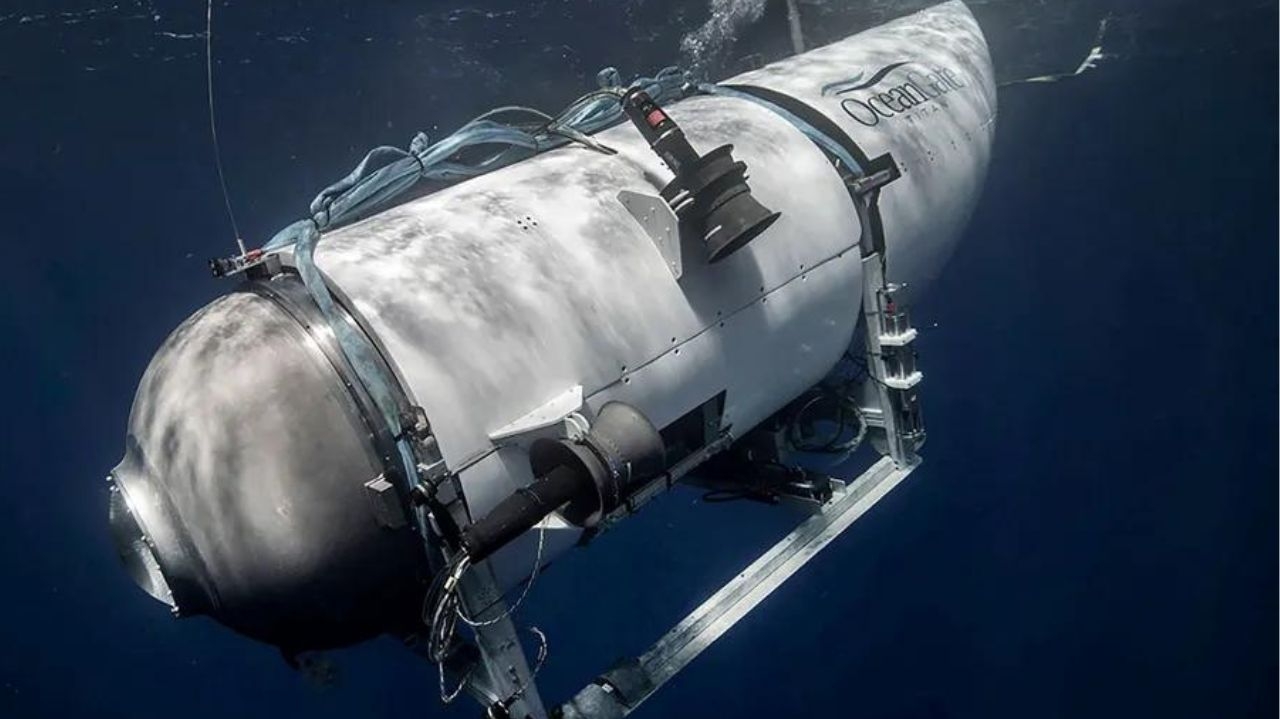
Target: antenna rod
[213, 126]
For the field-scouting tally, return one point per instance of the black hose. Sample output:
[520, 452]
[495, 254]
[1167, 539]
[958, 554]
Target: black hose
[522, 510]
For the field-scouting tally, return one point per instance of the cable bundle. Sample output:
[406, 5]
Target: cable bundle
[442, 608]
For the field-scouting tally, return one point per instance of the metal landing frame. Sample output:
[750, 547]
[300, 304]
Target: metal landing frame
[893, 377]
[888, 347]
[621, 690]
[504, 669]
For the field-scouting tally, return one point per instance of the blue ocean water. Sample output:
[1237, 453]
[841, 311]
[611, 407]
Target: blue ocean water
[1093, 532]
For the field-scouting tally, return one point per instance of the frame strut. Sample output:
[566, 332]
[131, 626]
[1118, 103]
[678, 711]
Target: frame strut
[506, 671]
[622, 689]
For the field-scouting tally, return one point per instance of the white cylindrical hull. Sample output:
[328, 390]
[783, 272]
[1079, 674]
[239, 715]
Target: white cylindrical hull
[496, 299]
[497, 295]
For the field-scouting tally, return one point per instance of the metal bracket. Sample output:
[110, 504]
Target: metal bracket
[863, 184]
[891, 364]
[551, 412]
[384, 502]
[660, 223]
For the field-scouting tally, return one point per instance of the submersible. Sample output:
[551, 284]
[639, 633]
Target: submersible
[560, 339]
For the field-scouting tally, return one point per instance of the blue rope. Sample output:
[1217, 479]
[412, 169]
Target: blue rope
[385, 173]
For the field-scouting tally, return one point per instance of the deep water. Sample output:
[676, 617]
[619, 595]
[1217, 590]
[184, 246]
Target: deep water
[1093, 533]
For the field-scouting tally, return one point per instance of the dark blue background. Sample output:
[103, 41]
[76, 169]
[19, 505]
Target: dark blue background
[1093, 532]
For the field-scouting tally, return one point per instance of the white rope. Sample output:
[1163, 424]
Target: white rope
[537, 565]
[213, 125]
[448, 610]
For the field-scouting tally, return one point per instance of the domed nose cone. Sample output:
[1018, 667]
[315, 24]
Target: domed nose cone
[242, 493]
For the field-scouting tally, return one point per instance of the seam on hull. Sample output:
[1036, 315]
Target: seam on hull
[674, 349]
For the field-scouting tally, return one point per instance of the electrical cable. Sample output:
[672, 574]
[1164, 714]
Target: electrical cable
[445, 602]
[533, 575]
[213, 126]
[846, 408]
[446, 695]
